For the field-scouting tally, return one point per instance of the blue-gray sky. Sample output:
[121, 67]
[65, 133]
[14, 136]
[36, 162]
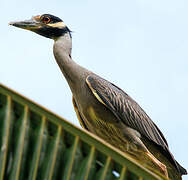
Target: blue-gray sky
[139, 45]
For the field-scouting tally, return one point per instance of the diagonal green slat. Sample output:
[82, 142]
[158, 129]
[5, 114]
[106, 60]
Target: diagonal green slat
[49, 162]
[19, 148]
[123, 173]
[69, 166]
[85, 165]
[36, 154]
[90, 161]
[106, 167]
[5, 136]
[54, 154]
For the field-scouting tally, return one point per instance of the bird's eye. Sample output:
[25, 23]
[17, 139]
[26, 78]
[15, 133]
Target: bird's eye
[46, 19]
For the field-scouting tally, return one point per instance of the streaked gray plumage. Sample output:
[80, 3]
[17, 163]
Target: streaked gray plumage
[105, 109]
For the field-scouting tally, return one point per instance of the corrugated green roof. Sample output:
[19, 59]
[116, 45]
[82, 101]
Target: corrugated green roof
[37, 144]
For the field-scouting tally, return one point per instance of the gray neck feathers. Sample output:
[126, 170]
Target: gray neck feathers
[63, 46]
[74, 73]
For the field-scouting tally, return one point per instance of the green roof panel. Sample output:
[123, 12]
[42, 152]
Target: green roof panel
[37, 144]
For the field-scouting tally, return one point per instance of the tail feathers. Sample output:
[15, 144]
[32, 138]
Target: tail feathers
[182, 170]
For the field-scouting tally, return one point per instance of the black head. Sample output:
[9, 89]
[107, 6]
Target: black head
[46, 25]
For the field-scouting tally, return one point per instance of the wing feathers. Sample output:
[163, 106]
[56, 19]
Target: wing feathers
[127, 111]
[125, 108]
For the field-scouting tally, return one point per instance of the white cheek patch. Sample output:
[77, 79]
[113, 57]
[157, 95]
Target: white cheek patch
[58, 25]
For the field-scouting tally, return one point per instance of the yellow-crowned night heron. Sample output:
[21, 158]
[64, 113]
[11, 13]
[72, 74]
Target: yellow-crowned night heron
[102, 107]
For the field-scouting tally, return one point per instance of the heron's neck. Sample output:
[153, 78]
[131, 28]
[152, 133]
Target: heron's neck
[63, 45]
[62, 52]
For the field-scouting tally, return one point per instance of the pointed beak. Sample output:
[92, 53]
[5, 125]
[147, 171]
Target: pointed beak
[30, 24]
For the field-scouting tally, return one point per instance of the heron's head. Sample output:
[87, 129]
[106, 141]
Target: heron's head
[46, 25]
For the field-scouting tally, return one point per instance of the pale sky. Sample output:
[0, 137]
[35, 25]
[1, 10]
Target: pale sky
[141, 46]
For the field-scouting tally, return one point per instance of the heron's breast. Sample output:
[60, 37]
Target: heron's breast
[104, 126]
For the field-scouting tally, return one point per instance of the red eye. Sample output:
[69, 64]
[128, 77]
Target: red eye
[46, 19]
